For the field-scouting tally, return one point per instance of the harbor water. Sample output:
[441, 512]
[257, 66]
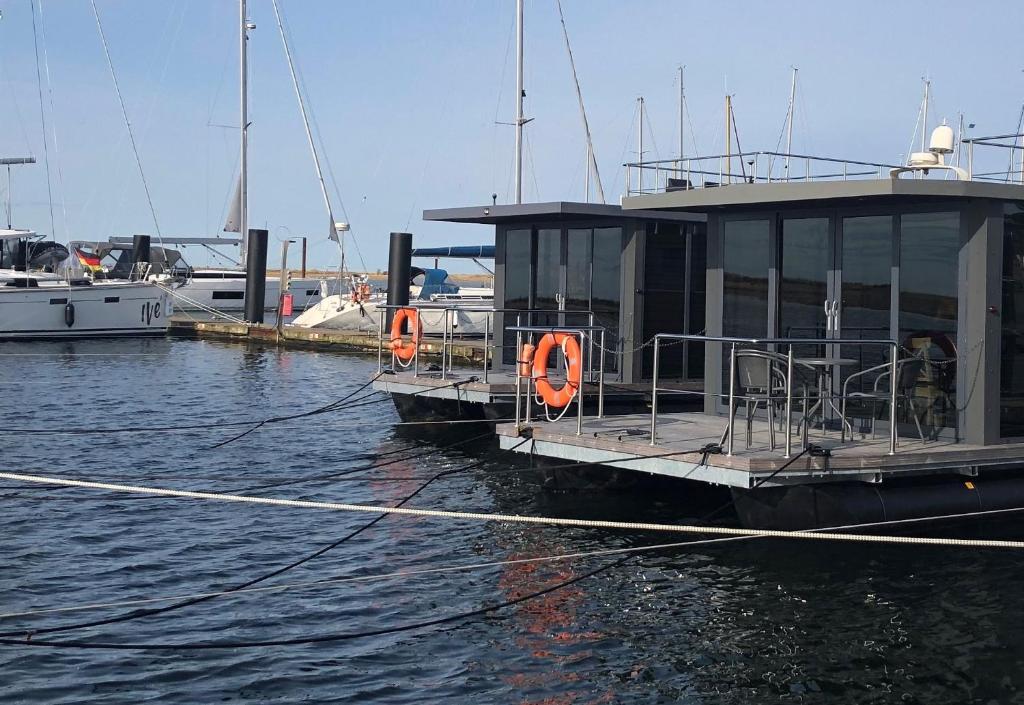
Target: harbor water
[737, 622]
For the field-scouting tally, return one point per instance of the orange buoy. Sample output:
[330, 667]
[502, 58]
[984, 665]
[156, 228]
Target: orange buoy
[526, 359]
[406, 349]
[573, 369]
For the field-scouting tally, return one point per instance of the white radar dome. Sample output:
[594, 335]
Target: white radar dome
[942, 140]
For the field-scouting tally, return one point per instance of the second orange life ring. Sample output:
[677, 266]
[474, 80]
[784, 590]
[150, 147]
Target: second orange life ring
[406, 349]
[573, 369]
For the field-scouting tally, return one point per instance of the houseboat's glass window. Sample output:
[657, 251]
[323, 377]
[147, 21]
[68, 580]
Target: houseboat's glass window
[803, 285]
[1011, 381]
[548, 278]
[929, 255]
[664, 297]
[517, 269]
[698, 298]
[866, 299]
[578, 258]
[606, 287]
[745, 278]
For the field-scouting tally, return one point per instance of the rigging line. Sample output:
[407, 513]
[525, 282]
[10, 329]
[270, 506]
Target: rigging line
[413, 572]
[305, 122]
[592, 157]
[53, 128]
[42, 117]
[127, 122]
[254, 581]
[516, 518]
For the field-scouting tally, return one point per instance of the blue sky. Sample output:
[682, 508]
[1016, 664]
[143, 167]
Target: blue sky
[407, 94]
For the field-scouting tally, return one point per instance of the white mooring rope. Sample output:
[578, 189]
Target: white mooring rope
[517, 518]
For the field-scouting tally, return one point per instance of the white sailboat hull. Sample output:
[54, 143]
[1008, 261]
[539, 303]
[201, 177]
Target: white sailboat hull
[102, 309]
[341, 313]
[227, 292]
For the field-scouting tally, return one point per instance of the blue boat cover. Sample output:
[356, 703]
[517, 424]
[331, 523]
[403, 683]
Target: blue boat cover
[464, 252]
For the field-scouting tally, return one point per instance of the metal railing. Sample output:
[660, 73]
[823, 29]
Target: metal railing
[1013, 172]
[790, 360]
[753, 167]
[583, 334]
[491, 338]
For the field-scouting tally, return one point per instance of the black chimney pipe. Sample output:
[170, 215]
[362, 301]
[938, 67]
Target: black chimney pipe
[256, 275]
[399, 269]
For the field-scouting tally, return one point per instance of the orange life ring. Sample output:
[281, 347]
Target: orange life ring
[406, 349]
[573, 373]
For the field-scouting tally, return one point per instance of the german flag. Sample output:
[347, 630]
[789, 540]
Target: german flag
[90, 262]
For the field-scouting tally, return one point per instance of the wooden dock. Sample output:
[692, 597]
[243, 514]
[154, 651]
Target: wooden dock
[289, 336]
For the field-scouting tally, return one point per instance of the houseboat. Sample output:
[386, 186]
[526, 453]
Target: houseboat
[622, 275]
[861, 341]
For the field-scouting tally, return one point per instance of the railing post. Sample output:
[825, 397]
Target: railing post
[416, 353]
[892, 400]
[970, 160]
[807, 169]
[629, 188]
[380, 343]
[789, 401]
[600, 378]
[444, 344]
[654, 393]
[487, 355]
[579, 417]
[732, 394]
[519, 346]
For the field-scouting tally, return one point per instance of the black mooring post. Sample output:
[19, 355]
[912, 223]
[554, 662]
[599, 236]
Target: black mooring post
[255, 275]
[140, 249]
[399, 269]
[21, 256]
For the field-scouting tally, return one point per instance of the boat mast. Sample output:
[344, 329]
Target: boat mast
[640, 146]
[728, 137]
[789, 121]
[243, 177]
[924, 113]
[682, 116]
[520, 121]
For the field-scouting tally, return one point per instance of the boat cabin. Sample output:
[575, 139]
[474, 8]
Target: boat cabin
[638, 272]
[935, 265]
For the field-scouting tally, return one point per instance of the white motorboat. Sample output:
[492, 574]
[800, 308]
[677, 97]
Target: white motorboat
[360, 309]
[37, 303]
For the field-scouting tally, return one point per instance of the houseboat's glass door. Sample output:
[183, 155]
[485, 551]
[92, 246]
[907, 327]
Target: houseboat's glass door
[807, 278]
[864, 310]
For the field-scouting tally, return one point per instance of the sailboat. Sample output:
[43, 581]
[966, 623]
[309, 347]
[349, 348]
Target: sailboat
[223, 288]
[37, 302]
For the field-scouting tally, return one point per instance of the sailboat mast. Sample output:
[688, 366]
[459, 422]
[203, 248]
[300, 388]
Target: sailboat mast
[789, 121]
[640, 146]
[728, 137]
[924, 113]
[519, 101]
[243, 161]
[682, 116]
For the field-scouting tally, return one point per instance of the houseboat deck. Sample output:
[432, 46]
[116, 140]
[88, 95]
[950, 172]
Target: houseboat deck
[624, 441]
[467, 385]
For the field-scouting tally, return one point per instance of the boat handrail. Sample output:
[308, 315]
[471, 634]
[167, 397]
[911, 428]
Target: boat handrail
[490, 340]
[754, 167]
